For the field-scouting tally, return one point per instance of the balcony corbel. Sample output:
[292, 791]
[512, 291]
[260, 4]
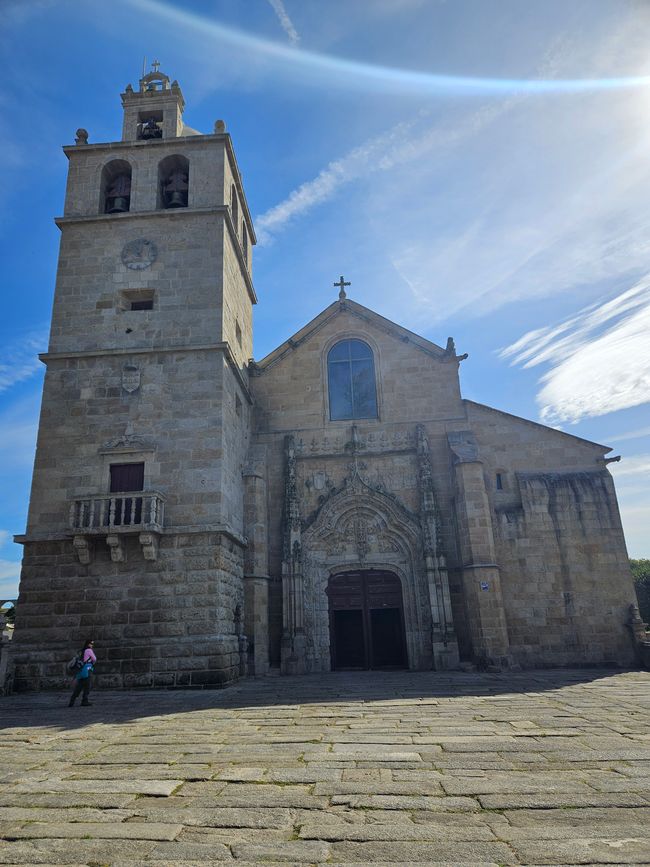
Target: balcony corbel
[82, 549]
[116, 546]
[149, 542]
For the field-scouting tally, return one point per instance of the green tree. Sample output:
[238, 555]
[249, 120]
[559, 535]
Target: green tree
[641, 574]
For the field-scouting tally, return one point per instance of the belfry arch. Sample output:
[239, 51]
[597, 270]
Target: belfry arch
[115, 195]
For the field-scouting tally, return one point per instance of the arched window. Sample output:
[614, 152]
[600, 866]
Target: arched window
[234, 208]
[351, 380]
[116, 187]
[173, 182]
[244, 241]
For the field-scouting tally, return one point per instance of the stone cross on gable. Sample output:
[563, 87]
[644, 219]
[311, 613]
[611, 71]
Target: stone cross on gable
[155, 65]
[341, 284]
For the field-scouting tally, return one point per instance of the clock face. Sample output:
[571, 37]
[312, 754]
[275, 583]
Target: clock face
[139, 254]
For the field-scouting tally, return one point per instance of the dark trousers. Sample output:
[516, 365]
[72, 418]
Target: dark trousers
[81, 686]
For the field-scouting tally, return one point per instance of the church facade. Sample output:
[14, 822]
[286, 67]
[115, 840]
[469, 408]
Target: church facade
[335, 505]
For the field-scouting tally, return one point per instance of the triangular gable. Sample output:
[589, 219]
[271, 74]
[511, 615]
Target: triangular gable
[364, 313]
[545, 427]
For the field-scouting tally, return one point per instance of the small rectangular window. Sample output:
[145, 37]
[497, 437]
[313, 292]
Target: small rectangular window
[499, 482]
[127, 477]
[237, 405]
[147, 304]
[136, 299]
[238, 333]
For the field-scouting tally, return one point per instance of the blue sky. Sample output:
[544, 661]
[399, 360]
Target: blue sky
[476, 168]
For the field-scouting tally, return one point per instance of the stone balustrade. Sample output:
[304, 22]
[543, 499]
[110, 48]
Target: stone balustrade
[131, 512]
[115, 516]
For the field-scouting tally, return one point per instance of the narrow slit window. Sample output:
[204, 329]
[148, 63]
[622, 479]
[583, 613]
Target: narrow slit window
[499, 481]
[234, 207]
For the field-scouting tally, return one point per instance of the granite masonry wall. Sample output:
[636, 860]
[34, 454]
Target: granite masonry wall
[166, 387]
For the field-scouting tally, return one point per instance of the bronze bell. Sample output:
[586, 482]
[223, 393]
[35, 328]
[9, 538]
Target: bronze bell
[118, 205]
[176, 199]
[150, 129]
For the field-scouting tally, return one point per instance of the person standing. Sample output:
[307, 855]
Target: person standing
[83, 676]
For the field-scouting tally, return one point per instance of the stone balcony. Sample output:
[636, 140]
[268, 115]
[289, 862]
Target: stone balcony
[115, 516]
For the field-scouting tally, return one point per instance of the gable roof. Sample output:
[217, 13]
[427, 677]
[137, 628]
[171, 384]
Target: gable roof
[537, 424]
[369, 316]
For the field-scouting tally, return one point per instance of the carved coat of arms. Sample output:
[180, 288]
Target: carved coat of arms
[130, 378]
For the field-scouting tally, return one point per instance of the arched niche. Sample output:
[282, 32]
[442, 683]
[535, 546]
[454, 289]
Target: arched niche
[116, 187]
[173, 181]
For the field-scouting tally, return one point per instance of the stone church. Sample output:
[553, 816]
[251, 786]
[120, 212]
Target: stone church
[334, 505]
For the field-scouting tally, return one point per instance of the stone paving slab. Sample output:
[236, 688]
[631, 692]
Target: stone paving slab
[95, 830]
[421, 769]
[618, 850]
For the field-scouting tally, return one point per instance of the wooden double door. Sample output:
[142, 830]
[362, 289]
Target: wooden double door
[366, 620]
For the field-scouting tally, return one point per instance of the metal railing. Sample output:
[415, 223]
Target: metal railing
[124, 512]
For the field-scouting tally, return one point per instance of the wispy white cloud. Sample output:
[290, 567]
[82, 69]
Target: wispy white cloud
[9, 579]
[356, 163]
[9, 570]
[286, 22]
[630, 435]
[339, 71]
[9, 588]
[406, 142]
[600, 358]
[19, 360]
[632, 478]
[634, 465]
[19, 426]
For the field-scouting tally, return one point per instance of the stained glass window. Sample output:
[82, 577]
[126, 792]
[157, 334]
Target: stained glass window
[351, 380]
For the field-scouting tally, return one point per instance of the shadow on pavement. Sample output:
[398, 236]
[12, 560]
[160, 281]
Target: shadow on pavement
[40, 710]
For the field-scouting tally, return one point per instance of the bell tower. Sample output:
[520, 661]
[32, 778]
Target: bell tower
[155, 110]
[135, 526]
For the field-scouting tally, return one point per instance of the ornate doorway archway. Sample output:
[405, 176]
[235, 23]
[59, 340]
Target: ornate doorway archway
[366, 620]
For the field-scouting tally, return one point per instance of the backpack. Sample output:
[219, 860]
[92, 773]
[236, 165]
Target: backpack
[76, 663]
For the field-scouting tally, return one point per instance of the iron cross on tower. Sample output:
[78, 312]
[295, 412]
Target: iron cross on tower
[341, 284]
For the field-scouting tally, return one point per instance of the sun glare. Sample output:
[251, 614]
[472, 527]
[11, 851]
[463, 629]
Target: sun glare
[375, 77]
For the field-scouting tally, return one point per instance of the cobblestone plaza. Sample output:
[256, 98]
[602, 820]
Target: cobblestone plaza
[420, 768]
